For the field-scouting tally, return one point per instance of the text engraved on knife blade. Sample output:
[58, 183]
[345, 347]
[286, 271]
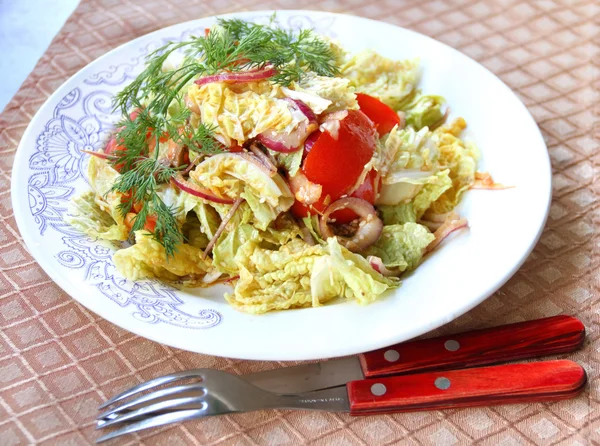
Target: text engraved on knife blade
[322, 400]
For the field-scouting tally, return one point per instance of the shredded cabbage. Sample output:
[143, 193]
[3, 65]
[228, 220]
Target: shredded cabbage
[273, 260]
[299, 275]
[390, 81]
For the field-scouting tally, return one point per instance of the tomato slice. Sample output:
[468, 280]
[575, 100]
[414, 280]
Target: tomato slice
[336, 161]
[366, 191]
[149, 225]
[113, 148]
[383, 116]
[235, 148]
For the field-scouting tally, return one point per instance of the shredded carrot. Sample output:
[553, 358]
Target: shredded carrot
[484, 180]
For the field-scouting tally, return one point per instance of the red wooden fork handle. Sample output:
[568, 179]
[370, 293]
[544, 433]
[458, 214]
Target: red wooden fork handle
[552, 335]
[483, 386]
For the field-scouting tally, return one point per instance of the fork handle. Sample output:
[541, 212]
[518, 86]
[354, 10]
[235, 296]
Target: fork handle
[483, 386]
[552, 335]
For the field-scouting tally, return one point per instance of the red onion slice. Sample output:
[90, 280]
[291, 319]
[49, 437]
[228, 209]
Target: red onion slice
[257, 162]
[305, 109]
[453, 222]
[377, 264]
[261, 159]
[310, 141]
[369, 228]
[211, 277]
[292, 142]
[238, 76]
[279, 142]
[192, 189]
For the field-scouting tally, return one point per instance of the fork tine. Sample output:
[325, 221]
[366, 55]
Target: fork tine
[152, 408]
[152, 383]
[159, 420]
[152, 397]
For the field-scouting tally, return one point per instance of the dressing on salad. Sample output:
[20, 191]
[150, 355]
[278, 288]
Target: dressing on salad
[280, 164]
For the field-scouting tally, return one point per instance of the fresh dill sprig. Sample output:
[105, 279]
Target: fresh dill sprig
[292, 54]
[139, 185]
[199, 139]
[157, 95]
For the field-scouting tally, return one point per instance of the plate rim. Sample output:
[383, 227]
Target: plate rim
[49, 268]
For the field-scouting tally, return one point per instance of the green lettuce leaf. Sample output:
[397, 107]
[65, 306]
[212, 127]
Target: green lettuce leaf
[102, 177]
[288, 161]
[233, 176]
[282, 231]
[422, 194]
[208, 218]
[148, 259]
[401, 247]
[410, 159]
[388, 80]
[300, 275]
[408, 152]
[192, 232]
[397, 214]
[324, 94]
[87, 216]
[424, 111]
[312, 224]
[461, 158]
[227, 247]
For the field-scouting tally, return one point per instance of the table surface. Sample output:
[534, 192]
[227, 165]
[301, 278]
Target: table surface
[58, 361]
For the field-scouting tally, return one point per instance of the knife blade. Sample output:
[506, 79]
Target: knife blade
[308, 377]
[553, 335]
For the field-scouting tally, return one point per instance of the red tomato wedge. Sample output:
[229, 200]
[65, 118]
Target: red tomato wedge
[366, 191]
[384, 117]
[336, 161]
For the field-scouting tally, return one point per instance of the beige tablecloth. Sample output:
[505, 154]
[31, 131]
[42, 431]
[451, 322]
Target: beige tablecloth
[58, 361]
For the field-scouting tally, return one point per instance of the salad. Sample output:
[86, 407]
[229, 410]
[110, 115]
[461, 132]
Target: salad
[276, 162]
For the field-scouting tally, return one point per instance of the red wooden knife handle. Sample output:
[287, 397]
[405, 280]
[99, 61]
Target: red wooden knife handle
[483, 386]
[552, 335]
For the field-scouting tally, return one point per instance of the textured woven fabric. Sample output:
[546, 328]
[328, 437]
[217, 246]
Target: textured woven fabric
[58, 361]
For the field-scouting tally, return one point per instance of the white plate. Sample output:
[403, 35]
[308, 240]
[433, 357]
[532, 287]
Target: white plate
[471, 265]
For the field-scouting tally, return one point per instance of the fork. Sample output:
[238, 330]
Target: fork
[340, 384]
[218, 393]
[221, 393]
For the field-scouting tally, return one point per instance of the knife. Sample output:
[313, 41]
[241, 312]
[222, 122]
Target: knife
[548, 336]
[223, 393]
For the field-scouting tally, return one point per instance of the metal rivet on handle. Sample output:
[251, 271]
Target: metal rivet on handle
[391, 355]
[442, 383]
[378, 389]
[452, 345]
